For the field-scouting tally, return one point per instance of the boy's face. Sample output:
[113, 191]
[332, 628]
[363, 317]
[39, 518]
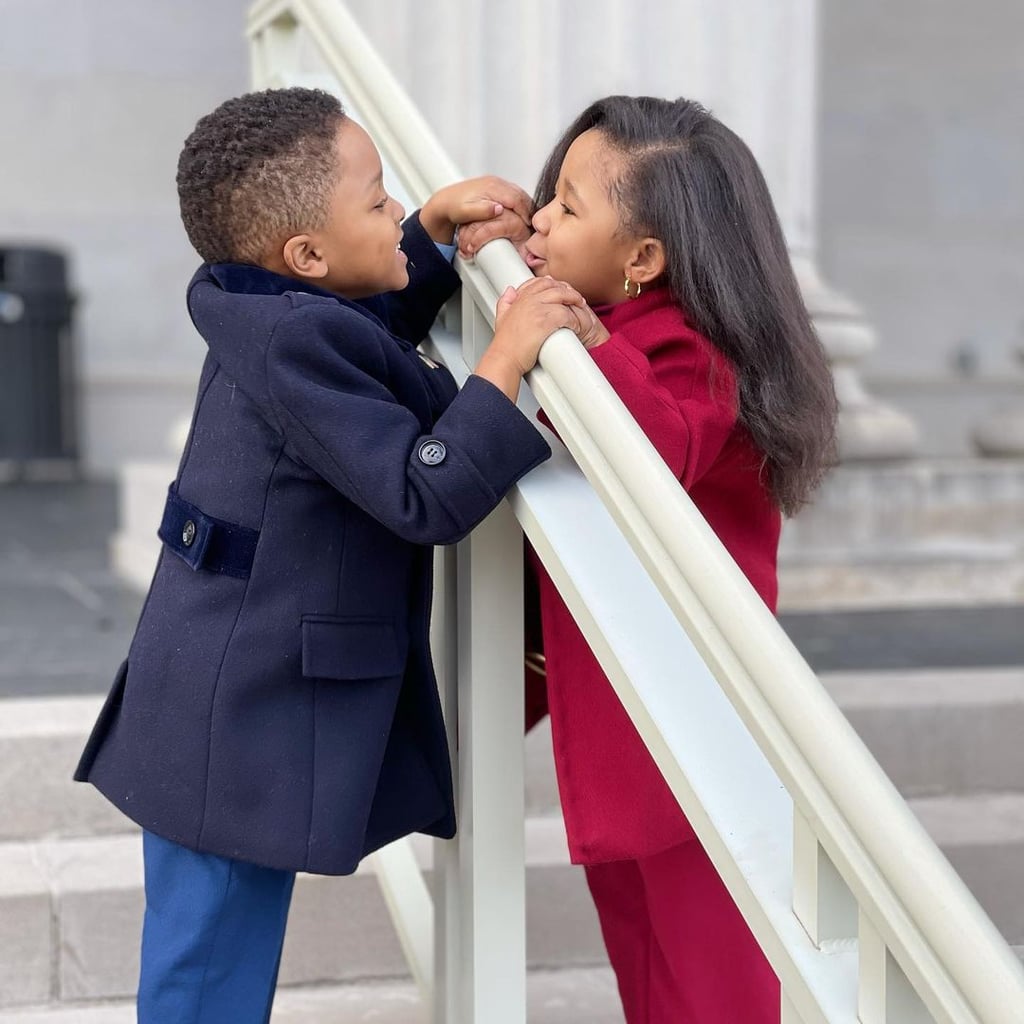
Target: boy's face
[359, 242]
[577, 237]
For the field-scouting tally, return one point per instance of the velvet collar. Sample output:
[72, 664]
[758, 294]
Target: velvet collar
[246, 279]
[618, 315]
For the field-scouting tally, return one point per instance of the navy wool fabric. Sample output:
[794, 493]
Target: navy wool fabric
[286, 712]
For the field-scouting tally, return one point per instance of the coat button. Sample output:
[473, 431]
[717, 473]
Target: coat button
[188, 534]
[432, 453]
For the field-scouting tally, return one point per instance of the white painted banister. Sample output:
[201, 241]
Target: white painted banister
[855, 872]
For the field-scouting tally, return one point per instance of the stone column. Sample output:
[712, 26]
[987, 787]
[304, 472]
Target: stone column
[1002, 434]
[779, 44]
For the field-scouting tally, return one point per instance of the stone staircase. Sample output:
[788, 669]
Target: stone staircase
[71, 881]
[951, 742]
[71, 902]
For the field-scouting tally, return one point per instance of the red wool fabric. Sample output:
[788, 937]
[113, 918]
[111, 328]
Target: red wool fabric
[682, 392]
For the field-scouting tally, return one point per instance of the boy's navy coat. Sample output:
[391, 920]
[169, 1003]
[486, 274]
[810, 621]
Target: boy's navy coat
[278, 703]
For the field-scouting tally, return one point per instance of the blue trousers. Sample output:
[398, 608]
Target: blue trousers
[212, 937]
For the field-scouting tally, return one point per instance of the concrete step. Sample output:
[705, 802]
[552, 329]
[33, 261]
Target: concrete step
[70, 909]
[70, 868]
[71, 913]
[570, 996]
[934, 733]
[939, 732]
[983, 837]
[41, 740]
[916, 532]
[141, 493]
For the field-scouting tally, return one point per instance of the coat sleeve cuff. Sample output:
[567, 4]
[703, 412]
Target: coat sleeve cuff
[490, 445]
[425, 256]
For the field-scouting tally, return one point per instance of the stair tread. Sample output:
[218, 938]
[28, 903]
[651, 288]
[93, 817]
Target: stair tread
[926, 687]
[974, 819]
[25, 717]
[114, 862]
[563, 996]
[68, 715]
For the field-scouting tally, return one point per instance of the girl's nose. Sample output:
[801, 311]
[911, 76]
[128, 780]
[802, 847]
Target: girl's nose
[542, 220]
[400, 210]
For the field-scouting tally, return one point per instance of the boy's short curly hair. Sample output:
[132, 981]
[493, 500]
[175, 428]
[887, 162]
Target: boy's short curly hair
[258, 169]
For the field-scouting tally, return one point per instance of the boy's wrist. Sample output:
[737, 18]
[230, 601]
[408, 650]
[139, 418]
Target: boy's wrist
[436, 222]
[501, 370]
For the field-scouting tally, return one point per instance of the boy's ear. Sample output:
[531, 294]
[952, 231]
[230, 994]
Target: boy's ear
[303, 257]
[647, 261]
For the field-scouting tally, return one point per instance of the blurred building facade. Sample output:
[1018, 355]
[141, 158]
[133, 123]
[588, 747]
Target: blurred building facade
[908, 195]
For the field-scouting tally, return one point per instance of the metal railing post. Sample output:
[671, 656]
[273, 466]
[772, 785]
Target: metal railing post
[490, 842]
[821, 899]
[447, 894]
[275, 52]
[790, 1014]
[884, 995]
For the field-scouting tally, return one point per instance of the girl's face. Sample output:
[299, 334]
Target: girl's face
[577, 235]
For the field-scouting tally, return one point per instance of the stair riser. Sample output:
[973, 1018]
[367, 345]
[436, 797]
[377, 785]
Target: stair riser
[924, 751]
[27, 941]
[83, 945]
[995, 875]
[946, 749]
[580, 996]
[39, 798]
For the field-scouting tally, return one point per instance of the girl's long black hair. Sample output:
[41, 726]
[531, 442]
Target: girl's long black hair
[693, 184]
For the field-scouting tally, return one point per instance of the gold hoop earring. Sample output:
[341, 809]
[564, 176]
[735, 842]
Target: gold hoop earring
[626, 285]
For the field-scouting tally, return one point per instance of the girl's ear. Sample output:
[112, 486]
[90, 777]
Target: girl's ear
[646, 261]
[304, 258]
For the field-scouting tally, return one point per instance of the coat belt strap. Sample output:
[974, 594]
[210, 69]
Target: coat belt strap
[204, 542]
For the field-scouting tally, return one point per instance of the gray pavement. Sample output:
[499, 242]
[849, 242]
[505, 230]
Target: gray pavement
[66, 620]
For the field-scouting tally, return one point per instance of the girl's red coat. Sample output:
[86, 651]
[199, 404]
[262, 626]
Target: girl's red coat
[682, 392]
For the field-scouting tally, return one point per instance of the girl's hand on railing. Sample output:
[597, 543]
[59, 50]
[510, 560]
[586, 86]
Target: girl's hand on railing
[471, 201]
[524, 319]
[590, 331]
[587, 327]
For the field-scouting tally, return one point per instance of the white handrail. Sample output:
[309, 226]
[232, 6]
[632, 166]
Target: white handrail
[934, 927]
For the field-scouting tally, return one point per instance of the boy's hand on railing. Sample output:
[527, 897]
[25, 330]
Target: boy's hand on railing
[474, 200]
[524, 319]
[508, 224]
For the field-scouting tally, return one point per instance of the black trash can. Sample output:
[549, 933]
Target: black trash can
[37, 414]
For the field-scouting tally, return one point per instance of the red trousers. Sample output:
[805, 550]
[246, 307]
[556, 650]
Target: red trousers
[681, 951]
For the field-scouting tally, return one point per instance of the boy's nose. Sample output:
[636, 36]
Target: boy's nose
[401, 210]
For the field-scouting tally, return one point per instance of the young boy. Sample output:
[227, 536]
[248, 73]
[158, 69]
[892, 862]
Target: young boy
[278, 711]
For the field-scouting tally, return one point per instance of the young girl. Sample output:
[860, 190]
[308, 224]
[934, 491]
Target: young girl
[659, 216]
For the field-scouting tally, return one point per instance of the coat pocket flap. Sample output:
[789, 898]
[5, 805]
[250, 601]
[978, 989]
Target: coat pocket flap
[346, 648]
